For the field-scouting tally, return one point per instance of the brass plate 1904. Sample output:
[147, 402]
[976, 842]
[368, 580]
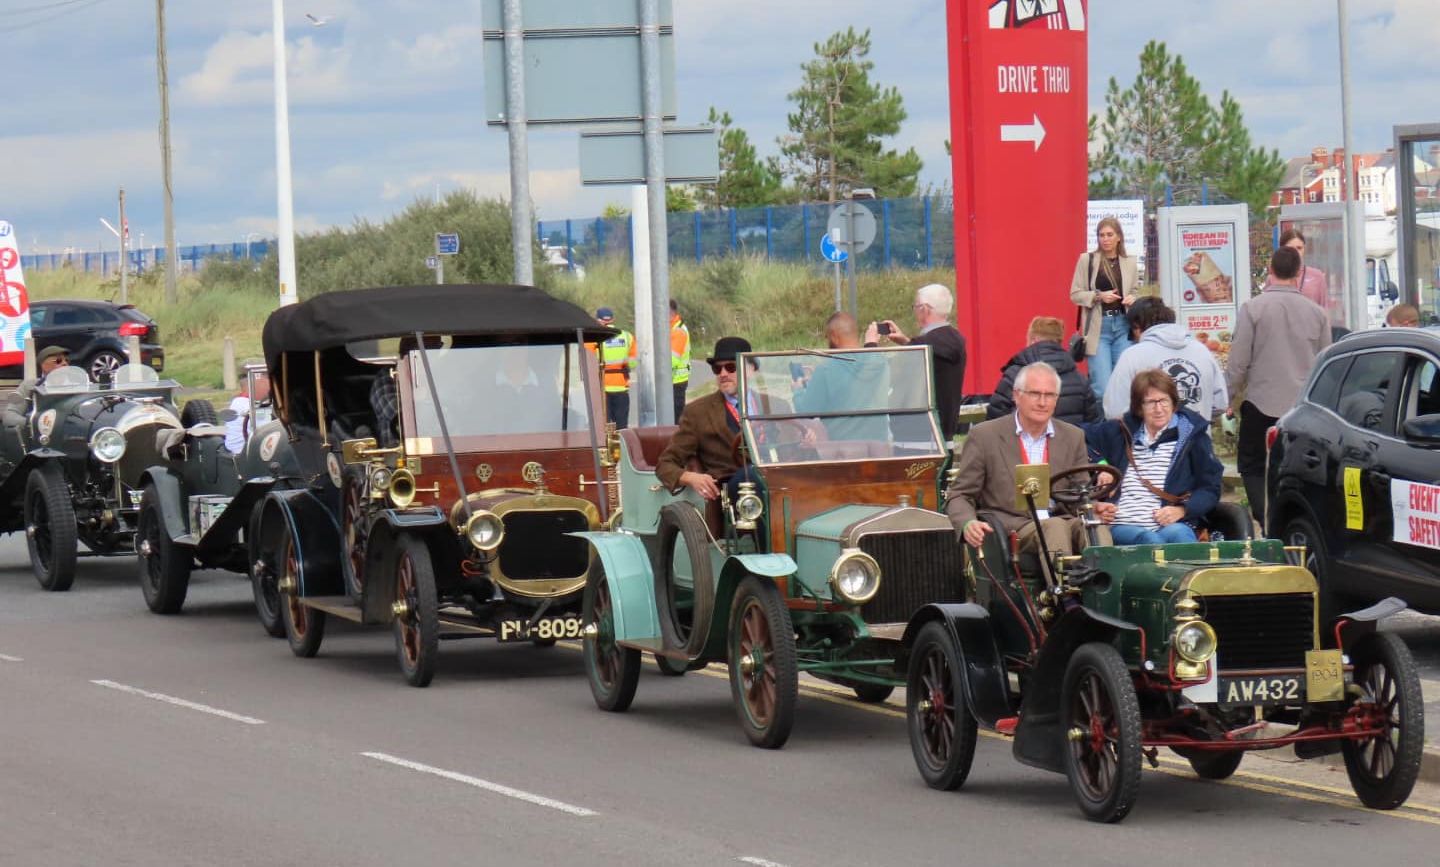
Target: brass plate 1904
[1324, 675]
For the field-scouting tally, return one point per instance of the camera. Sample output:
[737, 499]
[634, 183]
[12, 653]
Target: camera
[884, 327]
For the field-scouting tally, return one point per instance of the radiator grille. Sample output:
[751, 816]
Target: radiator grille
[1270, 630]
[536, 547]
[916, 568]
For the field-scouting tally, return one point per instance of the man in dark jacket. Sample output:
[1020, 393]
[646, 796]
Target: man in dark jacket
[1077, 403]
[932, 307]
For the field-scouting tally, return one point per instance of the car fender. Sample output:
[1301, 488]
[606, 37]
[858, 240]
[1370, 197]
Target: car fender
[734, 570]
[1290, 502]
[987, 690]
[13, 487]
[316, 535]
[1349, 628]
[166, 484]
[632, 584]
[1039, 738]
[431, 525]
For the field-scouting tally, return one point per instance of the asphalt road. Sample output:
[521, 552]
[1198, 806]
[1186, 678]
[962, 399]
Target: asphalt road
[128, 738]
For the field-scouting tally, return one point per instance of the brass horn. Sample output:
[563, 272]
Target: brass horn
[402, 488]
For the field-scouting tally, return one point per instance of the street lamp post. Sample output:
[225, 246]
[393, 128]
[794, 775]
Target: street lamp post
[285, 231]
[1357, 312]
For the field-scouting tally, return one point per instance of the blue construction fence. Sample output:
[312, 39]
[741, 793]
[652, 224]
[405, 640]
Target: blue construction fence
[910, 233]
[107, 263]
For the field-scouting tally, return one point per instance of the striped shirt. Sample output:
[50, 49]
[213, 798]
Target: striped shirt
[1137, 504]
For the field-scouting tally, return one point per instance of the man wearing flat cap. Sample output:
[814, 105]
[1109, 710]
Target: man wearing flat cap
[708, 428]
[17, 405]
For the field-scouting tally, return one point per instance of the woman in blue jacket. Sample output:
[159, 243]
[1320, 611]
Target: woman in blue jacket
[1171, 475]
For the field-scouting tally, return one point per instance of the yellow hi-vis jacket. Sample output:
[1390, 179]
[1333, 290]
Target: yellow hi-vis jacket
[679, 351]
[618, 356]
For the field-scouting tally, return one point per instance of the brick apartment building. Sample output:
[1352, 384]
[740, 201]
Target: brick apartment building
[1320, 177]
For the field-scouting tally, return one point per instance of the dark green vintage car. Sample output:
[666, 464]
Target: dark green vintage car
[1209, 649]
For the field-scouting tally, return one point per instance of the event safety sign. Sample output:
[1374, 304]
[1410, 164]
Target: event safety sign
[1416, 507]
[14, 300]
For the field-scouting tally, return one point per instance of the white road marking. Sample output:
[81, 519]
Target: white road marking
[180, 702]
[7, 658]
[488, 786]
[759, 862]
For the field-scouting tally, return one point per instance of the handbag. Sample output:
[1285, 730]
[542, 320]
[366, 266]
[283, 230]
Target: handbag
[1077, 340]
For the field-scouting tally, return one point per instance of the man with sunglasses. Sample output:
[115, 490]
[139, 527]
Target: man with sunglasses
[985, 481]
[708, 428]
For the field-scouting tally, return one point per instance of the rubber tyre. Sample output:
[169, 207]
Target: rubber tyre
[612, 671]
[760, 630]
[943, 733]
[304, 626]
[103, 364]
[52, 542]
[1212, 764]
[417, 636]
[1301, 531]
[354, 531]
[669, 667]
[681, 521]
[164, 565]
[198, 412]
[1103, 765]
[1385, 669]
[264, 576]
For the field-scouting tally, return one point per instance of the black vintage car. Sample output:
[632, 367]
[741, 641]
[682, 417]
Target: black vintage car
[1354, 472]
[200, 504]
[71, 472]
[450, 442]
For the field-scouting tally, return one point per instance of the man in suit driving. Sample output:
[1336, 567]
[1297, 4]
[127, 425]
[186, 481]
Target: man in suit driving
[986, 477]
[708, 428]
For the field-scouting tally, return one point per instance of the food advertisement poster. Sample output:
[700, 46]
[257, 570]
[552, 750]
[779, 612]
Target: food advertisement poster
[14, 300]
[1203, 260]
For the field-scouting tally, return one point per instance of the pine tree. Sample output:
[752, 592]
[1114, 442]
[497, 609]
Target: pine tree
[745, 181]
[840, 120]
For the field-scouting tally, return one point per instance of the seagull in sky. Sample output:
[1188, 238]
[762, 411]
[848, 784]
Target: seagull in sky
[317, 22]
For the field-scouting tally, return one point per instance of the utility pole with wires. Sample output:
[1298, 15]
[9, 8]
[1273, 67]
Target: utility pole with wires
[172, 261]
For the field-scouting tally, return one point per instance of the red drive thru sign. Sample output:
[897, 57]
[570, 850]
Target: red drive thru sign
[1018, 113]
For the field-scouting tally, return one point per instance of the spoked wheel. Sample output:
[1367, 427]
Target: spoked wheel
[670, 667]
[942, 731]
[764, 680]
[164, 566]
[613, 671]
[1383, 770]
[417, 612]
[304, 626]
[1101, 719]
[50, 531]
[1212, 764]
[265, 579]
[353, 528]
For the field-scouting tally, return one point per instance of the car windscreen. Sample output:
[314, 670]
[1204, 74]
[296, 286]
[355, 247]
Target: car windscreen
[808, 407]
[500, 390]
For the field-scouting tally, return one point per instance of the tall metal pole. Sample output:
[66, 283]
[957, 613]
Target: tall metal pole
[285, 228]
[644, 316]
[172, 262]
[521, 218]
[124, 252]
[1355, 306]
[850, 262]
[651, 110]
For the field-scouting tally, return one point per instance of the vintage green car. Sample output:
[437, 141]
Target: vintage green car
[71, 473]
[814, 566]
[1210, 649]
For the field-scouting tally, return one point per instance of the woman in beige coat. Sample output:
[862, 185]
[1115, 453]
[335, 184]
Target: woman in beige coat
[1104, 288]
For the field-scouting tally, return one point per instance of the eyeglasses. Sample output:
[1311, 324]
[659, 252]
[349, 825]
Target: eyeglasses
[1156, 403]
[1042, 396]
[719, 367]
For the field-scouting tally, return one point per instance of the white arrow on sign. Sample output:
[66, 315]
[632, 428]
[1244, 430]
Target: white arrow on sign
[1031, 132]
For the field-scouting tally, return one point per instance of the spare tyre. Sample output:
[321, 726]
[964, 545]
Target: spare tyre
[198, 412]
[685, 605]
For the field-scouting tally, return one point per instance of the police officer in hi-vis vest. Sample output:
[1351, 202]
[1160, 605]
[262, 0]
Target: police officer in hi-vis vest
[679, 359]
[618, 358]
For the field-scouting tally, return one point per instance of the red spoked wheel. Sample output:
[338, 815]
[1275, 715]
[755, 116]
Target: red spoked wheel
[304, 626]
[613, 670]
[764, 679]
[1101, 716]
[416, 611]
[1383, 770]
[354, 531]
[942, 731]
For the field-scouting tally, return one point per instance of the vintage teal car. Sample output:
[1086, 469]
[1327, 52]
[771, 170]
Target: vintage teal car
[1209, 649]
[815, 566]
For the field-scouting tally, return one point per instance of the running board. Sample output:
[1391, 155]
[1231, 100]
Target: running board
[340, 606]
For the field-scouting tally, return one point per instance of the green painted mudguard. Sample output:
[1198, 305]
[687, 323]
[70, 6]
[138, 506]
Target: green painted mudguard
[632, 584]
[736, 567]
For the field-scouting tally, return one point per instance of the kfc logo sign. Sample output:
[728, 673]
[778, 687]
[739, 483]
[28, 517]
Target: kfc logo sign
[1039, 14]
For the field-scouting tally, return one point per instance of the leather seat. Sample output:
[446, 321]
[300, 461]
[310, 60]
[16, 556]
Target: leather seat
[646, 444]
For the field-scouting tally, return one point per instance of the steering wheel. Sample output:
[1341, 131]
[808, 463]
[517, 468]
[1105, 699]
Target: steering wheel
[788, 437]
[1090, 489]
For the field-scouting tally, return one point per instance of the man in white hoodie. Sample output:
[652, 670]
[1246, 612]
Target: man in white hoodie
[1160, 343]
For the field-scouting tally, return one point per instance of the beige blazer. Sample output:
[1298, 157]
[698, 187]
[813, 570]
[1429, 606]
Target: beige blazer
[986, 479]
[1082, 293]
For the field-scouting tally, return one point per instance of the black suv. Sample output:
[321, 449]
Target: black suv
[94, 333]
[1354, 470]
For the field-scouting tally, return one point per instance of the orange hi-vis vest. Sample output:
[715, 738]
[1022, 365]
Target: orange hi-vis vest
[618, 356]
[679, 351]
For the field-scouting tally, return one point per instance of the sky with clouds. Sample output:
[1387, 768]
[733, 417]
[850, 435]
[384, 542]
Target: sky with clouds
[387, 97]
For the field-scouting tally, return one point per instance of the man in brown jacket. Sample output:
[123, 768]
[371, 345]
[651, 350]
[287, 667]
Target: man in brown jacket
[708, 428]
[1031, 435]
[1277, 336]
